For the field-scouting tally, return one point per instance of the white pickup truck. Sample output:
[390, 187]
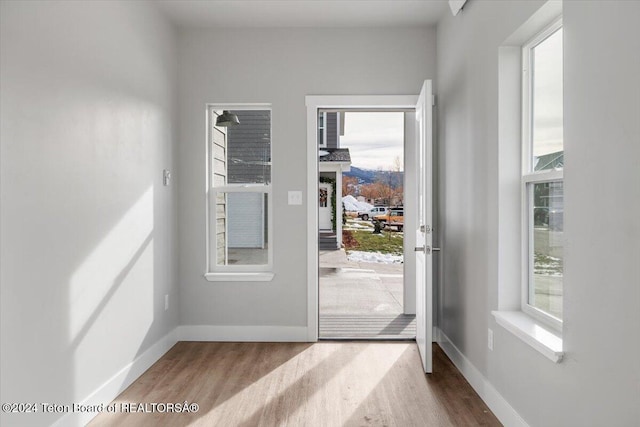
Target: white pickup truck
[376, 210]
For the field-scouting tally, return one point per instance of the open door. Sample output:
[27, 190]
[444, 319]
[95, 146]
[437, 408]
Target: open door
[424, 230]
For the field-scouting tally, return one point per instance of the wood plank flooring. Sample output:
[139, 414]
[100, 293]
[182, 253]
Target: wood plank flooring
[361, 326]
[303, 384]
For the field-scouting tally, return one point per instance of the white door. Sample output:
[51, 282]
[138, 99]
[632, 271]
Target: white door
[424, 230]
[324, 207]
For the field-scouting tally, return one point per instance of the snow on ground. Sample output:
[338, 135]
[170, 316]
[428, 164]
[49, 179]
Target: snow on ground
[355, 226]
[359, 256]
[353, 205]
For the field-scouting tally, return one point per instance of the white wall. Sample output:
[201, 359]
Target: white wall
[280, 67]
[87, 229]
[598, 383]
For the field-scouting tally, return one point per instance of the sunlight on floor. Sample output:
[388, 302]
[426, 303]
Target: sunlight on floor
[355, 392]
[265, 383]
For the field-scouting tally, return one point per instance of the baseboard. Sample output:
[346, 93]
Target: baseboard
[108, 391]
[494, 400]
[242, 333]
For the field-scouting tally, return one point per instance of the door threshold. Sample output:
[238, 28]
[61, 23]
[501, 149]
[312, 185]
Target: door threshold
[382, 338]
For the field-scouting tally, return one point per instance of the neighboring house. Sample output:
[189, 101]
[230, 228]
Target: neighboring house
[333, 161]
[395, 201]
[549, 161]
[366, 200]
[243, 156]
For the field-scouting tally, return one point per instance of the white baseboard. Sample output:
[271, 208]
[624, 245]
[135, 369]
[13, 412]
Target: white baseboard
[242, 333]
[494, 400]
[108, 391]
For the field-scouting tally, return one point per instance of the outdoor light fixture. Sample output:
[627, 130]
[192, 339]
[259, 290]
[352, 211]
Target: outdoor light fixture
[227, 119]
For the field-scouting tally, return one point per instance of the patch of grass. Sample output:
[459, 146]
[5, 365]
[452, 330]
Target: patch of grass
[364, 240]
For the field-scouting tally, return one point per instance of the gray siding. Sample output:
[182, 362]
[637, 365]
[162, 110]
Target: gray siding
[249, 148]
[332, 130]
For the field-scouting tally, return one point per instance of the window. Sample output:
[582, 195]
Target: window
[542, 176]
[239, 192]
[322, 126]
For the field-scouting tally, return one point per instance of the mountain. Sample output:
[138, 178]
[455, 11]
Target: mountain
[368, 176]
[365, 176]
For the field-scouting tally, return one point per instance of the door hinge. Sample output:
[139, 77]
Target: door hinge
[433, 100]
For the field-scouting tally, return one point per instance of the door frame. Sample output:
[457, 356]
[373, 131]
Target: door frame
[313, 103]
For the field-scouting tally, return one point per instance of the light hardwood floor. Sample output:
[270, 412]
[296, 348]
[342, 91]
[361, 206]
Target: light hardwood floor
[302, 384]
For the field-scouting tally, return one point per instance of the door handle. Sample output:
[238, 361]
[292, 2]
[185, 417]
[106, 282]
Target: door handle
[426, 249]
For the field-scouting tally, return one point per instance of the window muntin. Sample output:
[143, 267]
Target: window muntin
[542, 176]
[239, 188]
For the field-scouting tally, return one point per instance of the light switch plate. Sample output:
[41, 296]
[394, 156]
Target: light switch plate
[295, 197]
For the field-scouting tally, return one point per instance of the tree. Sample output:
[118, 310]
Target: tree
[368, 191]
[378, 191]
[349, 185]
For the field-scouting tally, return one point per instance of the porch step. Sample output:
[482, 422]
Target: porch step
[327, 241]
[378, 327]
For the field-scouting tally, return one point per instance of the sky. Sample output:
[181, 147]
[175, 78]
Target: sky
[547, 93]
[374, 139]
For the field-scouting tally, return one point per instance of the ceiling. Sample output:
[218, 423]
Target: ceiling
[302, 13]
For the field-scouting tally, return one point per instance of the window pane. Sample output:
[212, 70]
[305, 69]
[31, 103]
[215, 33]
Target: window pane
[320, 128]
[545, 290]
[547, 138]
[241, 228]
[242, 153]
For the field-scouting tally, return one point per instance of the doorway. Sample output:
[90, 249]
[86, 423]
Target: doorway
[423, 279]
[361, 274]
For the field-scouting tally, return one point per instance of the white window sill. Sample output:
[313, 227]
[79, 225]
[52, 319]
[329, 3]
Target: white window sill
[543, 339]
[240, 277]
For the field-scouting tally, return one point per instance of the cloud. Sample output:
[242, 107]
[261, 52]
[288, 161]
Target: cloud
[374, 139]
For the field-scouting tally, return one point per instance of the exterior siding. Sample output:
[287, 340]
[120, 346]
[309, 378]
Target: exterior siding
[332, 130]
[219, 172]
[249, 151]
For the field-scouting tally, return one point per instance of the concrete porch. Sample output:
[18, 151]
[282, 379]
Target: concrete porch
[361, 300]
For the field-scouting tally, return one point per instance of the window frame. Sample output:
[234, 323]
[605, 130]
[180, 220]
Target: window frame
[255, 272]
[530, 177]
[323, 128]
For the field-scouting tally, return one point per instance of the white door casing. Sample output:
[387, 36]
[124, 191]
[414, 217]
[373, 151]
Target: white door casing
[314, 103]
[424, 234]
